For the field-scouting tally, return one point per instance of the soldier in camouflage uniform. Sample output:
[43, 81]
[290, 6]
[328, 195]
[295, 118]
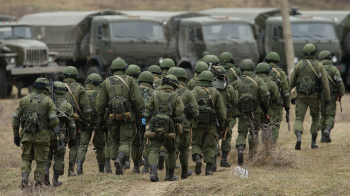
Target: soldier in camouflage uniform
[308, 77]
[253, 99]
[226, 60]
[121, 95]
[36, 113]
[198, 68]
[337, 90]
[157, 73]
[93, 86]
[263, 70]
[133, 71]
[165, 65]
[205, 132]
[77, 97]
[67, 131]
[168, 111]
[279, 77]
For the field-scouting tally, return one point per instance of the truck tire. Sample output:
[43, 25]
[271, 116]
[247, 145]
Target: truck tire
[172, 48]
[84, 46]
[261, 45]
[346, 45]
[3, 84]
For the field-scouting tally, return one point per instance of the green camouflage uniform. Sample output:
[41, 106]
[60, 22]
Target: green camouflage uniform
[199, 68]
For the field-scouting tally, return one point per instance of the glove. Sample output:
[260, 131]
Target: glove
[292, 101]
[101, 125]
[326, 103]
[286, 109]
[71, 143]
[265, 109]
[17, 141]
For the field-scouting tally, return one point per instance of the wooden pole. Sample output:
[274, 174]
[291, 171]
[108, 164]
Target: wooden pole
[288, 39]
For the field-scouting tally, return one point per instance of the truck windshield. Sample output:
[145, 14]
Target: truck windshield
[137, 30]
[23, 32]
[313, 30]
[228, 32]
[5, 32]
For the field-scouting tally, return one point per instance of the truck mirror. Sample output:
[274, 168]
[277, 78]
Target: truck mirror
[192, 35]
[275, 33]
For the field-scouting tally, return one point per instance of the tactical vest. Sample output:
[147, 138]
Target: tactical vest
[181, 91]
[206, 112]
[307, 81]
[92, 96]
[35, 117]
[61, 104]
[74, 87]
[331, 81]
[275, 76]
[248, 101]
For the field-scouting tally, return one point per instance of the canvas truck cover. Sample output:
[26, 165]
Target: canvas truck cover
[7, 18]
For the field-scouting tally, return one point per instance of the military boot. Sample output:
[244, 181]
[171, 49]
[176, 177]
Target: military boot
[207, 169]
[167, 175]
[240, 149]
[47, 174]
[80, 167]
[198, 168]
[298, 144]
[323, 139]
[101, 168]
[185, 172]
[213, 166]
[118, 163]
[24, 183]
[177, 166]
[172, 176]
[55, 181]
[153, 176]
[224, 162]
[145, 166]
[108, 168]
[136, 168]
[327, 133]
[161, 160]
[313, 141]
[71, 170]
[127, 163]
[140, 162]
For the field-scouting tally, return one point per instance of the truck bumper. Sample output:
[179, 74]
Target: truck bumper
[51, 68]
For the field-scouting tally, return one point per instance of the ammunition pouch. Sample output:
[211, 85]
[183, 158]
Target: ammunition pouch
[120, 117]
[153, 135]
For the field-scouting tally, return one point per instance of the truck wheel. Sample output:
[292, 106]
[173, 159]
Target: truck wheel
[261, 44]
[84, 46]
[3, 83]
[346, 45]
[172, 48]
[9, 90]
[93, 69]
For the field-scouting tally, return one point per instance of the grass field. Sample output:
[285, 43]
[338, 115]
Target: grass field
[323, 171]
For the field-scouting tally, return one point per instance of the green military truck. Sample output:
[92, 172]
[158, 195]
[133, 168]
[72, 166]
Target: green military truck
[189, 34]
[22, 59]
[91, 40]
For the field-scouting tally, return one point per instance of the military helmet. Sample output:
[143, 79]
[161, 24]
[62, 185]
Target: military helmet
[247, 64]
[171, 79]
[70, 71]
[42, 84]
[133, 70]
[94, 78]
[220, 68]
[207, 76]
[201, 66]
[118, 64]
[167, 63]
[263, 68]
[212, 59]
[146, 76]
[180, 73]
[155, 69]
[272, 56]
[170, 71]
[205, 53]
[325, 54]
[204, 57]
[310, 49]
[59, 88]
[226, 57]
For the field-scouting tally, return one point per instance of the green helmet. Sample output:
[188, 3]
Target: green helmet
[206, 75]
[59, 88]
[170, 79]
[42, 84]
[272, 56]
[133, 70]
[155, 69]
[247, 64]
[146, 76]
[70, 71]
[118, 64]
[220, 68]
[94, 79]
[226, 57]
[263, 68]
[167, 63]
[205, 53]
[212, 59]
[325, 54]
[310, 49]
[204, 57]
[201, 66]
[170, 71]
[180, 73]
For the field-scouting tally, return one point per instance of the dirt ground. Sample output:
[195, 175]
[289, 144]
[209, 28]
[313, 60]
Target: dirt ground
[322, 171]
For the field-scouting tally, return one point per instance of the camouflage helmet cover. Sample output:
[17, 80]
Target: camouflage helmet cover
[207, 76]
[94, 78]
[171, 79]
[180, 73]
[226, 57]
[155, 69]
[247, 64]
[133, 70]
[167, 63]
[272, 56]
[263, 68]
[201, 66]
[325, 54]
[70, 71]
[118, 64]
[309, 49]
[146, 76]
[170, 71]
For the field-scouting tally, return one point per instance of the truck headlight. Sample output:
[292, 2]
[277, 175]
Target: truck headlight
[334, 59]
[296, 60]
[160, 60]
[12, 60]
[50, 59]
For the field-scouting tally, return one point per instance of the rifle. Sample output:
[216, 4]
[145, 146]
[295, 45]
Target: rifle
[189, 107]
[93, 134]
[278, 82]
[138, 127]
[338, 98]
[217, 74]
[57, 129]
[287, 120]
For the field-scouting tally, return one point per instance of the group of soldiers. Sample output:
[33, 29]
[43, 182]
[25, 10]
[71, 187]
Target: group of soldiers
[155, 116]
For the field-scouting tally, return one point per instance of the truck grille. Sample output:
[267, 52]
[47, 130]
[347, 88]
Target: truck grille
[36, 55]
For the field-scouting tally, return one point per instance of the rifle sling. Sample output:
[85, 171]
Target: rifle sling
[251, 79]
[278, 73]
[313, 69]
[121, 79]
[75, 100]
[329, 77]
[234, 72]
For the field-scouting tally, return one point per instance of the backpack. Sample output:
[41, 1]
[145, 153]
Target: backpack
[248, 101]
[306, 86]
[206, 112]
[146, 94]
[30, 122]
[92, 97]
[306, 82]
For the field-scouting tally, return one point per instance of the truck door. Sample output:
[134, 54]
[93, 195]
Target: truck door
[103, 43]
[277, 42]
[195, 46]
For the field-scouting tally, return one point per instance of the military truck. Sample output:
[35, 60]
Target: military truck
[23, 59]
[305, 29]
[189, 34]
[91, 40]
[7, 18]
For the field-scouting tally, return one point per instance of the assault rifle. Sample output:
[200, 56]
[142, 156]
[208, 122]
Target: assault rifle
[287, 120]
[138, 127]
[189, 107]
[278, 82]
[217, 74]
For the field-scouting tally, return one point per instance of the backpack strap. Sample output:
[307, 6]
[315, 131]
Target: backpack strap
[329, 77]
[313, 69]
[249, 78]
[233, 72]
[75, 100]
[121, 79]
[278, 73]
[209, 96]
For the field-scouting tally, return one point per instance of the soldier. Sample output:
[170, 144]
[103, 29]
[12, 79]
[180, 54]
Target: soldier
[133, 71]
[168, 109]
[191, 112]
[263, 70]
[209, 124]
[198, 68]
[337, 90]
[309, 77]
[165, 65]
[77, 97]
[122, 96]
[67, 131]
[93, 86]
[280, 78]
[226, 60]
[36, 113]
[157, 72]
[253, 99]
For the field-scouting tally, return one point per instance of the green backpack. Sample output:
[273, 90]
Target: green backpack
[30, 120]
[206, 112]
[92, 96]
[306, 86]
[248, 101]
